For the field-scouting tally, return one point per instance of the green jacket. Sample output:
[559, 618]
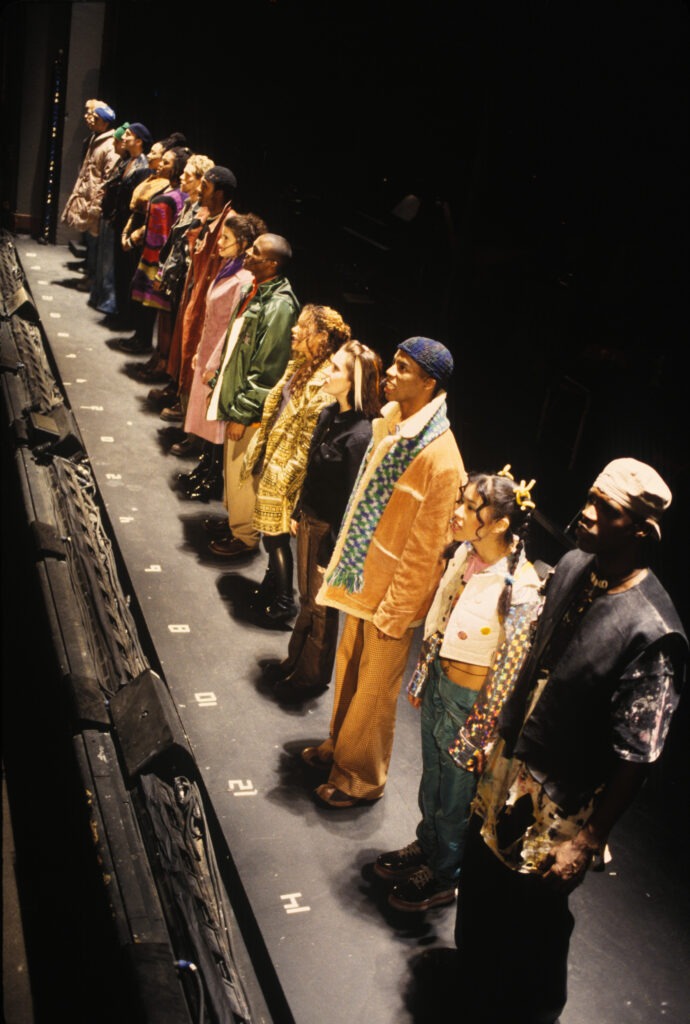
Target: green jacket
[261, 353]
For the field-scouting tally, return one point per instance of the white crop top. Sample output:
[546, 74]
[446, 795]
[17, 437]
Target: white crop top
[469, 622]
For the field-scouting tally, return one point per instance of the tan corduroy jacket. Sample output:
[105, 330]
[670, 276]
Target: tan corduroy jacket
[404, 562]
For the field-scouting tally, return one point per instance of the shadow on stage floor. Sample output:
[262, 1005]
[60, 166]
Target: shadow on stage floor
[316, 928]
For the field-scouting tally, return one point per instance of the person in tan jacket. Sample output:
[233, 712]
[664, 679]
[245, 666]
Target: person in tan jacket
[386, 566]
[82, 210]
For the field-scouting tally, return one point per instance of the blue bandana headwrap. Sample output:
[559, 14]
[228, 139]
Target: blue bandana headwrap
[106, 113]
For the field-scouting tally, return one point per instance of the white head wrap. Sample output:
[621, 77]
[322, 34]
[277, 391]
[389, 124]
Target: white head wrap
[636, 487]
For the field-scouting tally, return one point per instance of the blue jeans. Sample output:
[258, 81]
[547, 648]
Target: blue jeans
[102, 295]
[445, 790]
[91, 243]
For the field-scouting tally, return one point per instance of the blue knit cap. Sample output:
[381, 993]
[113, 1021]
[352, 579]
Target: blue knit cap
[433, 357]
[142, 132]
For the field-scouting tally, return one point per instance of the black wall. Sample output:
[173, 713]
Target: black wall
[546, 147]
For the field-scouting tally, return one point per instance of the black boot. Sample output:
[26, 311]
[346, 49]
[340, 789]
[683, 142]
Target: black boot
[282, 607]
[190, 481]
[136, 345]
[210, 486]
[261, 595]
[142, 339]
[274, 671]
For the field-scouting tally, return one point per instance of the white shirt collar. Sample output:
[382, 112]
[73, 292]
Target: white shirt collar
[414, 424]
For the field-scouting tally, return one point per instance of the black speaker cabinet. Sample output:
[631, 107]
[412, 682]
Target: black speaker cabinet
[148, 728]
[55, 433]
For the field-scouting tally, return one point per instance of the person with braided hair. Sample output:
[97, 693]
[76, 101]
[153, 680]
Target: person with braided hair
[586, 719]
[278, 454]
[340, 439]
[487, 587]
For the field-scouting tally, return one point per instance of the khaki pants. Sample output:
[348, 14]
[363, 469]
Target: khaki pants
[368, 675]
[239, 498]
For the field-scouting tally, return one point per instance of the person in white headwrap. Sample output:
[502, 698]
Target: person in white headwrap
[588, 716]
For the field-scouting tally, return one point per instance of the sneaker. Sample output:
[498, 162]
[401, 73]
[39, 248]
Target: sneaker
[400, 864]
[421, 891]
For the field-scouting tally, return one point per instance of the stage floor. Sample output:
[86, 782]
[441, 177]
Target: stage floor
[339, 952]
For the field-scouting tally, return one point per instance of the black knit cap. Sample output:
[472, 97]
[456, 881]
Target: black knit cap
[223, 177]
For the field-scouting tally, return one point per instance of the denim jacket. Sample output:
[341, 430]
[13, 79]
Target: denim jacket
[568, 735]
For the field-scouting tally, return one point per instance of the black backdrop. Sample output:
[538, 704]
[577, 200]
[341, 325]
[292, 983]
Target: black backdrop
[539, 151]
[545, 145]
[508, 177]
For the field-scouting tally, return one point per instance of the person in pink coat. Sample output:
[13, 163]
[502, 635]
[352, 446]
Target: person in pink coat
[237, 235]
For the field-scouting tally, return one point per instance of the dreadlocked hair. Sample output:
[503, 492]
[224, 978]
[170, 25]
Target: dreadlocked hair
[503, 497]
[336, 332]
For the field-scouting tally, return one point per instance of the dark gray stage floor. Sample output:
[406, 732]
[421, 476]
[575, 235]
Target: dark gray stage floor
[340, 954]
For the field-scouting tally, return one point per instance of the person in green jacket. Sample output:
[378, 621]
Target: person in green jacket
[256, 351]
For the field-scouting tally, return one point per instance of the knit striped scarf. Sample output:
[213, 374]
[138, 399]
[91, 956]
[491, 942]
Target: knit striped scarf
[370, 505]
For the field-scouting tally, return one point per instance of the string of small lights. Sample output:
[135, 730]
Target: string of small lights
[56, 101]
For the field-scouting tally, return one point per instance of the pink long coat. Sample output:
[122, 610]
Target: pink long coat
[221, 299]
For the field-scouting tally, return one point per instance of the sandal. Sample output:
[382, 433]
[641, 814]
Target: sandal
[310, 756]
[333, 797]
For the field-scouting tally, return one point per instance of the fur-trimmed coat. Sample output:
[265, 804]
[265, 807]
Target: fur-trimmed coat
[404, 561]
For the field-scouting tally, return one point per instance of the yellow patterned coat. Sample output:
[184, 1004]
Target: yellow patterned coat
[280, 448]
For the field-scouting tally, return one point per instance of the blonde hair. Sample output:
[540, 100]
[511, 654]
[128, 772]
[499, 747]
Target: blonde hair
[199, 164]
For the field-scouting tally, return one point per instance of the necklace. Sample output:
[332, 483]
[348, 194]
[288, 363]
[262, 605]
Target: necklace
[617, 583]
